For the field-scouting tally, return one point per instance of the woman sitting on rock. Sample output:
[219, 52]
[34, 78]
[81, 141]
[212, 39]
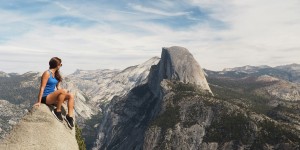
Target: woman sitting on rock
[48, 95]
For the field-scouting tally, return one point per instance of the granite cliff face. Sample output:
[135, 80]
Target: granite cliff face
[38, 129]
[177, 63]
[127, 118]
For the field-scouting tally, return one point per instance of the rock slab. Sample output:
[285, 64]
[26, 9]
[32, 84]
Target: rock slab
[39, 129]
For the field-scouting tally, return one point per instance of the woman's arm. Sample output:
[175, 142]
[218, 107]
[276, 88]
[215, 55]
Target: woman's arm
[44, 80]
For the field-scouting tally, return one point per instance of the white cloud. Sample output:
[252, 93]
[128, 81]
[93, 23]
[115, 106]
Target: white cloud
[255, 33]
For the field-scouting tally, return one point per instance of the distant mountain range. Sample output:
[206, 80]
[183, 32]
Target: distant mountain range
[171, 103]
[286, 72]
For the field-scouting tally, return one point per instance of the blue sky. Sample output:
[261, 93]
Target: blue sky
[115, 34]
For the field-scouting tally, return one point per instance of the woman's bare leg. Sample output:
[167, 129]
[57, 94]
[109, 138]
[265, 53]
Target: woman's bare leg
[53, 97]
[70, 98]
[60, 100]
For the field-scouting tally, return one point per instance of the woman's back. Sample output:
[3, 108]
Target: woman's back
[50, 86]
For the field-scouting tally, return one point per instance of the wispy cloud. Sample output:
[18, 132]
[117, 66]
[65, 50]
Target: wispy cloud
[62, 6]
[71, 21]
[141, 8]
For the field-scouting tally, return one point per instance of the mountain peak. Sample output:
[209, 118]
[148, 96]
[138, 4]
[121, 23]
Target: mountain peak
[177, 63]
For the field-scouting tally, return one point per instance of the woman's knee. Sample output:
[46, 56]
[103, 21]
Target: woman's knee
[70, 96]
[61, 96]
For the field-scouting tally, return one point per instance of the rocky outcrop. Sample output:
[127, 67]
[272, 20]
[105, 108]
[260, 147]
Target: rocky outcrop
[280, 89]
[284, 90]
[177, 63]
[127, 118]
[40, 130]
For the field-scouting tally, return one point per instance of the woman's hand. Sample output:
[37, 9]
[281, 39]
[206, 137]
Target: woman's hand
[37, 104]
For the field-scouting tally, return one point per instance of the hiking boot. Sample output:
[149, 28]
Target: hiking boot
[57, 115]
[70, 121]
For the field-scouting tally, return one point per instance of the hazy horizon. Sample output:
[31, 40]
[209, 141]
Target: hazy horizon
[64, 73]
[115, 34]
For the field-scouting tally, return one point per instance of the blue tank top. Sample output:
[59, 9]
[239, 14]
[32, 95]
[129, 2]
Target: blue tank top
[50, 86]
